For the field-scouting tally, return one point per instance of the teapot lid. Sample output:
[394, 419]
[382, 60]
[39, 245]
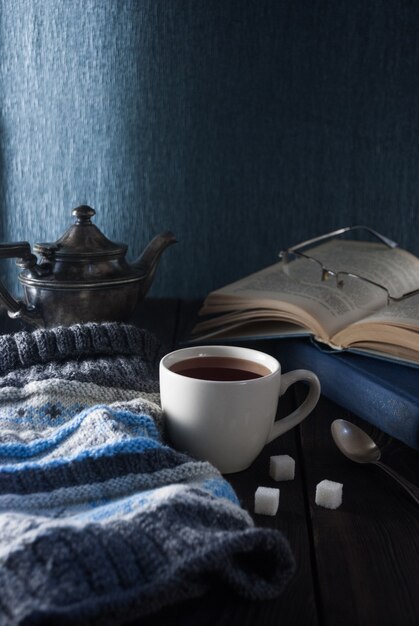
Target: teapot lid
[82, 240]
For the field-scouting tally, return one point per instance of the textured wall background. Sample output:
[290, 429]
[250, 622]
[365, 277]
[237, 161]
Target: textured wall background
[243, 126]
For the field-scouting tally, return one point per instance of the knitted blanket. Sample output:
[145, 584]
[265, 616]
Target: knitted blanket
[100, 521]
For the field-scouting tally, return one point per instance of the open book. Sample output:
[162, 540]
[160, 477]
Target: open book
[287, 300]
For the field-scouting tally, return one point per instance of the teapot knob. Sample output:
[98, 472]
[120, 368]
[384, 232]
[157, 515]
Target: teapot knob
[83, 214]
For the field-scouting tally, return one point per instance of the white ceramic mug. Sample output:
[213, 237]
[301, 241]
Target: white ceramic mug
[229, 422]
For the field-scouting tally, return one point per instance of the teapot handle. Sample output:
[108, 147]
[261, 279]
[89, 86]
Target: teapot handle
[20, 250]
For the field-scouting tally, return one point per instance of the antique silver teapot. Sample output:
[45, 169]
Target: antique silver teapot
[82, 277]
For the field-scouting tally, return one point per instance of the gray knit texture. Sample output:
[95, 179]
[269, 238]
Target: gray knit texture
[101, 522]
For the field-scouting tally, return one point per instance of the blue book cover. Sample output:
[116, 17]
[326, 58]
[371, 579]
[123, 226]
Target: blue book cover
[384, 393]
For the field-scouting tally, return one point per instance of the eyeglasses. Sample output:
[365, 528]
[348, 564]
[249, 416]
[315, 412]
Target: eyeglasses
[304, 267]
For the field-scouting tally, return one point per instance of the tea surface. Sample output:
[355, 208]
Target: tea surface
[220, 369]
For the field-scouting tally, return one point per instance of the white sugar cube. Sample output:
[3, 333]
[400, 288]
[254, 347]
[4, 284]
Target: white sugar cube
[266, 500]
[282, 467]
[329, 494]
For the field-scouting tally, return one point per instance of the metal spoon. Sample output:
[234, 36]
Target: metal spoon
[355, 444]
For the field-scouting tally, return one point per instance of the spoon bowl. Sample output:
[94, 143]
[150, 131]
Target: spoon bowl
[355, 444]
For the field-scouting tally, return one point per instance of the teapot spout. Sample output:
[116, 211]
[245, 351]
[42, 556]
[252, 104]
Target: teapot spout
[147, 262]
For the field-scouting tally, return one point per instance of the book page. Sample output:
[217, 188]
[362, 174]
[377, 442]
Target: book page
[393, 330]
[403, 313]
[334, 308]
[394, 268]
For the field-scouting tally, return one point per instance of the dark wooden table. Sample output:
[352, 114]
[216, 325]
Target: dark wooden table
[357, 565]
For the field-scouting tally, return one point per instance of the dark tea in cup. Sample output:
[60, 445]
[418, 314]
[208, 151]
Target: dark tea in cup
[220, 368]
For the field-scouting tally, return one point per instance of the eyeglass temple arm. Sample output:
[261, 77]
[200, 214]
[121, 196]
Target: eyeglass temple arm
[388, 242]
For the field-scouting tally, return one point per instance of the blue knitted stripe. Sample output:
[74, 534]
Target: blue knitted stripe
[220, 489]
[108, 509]
[89, 469]
[137, 445]
[105, 509]
[141, 424]
[118, 487]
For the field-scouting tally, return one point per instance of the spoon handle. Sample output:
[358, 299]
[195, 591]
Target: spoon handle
[403, 482]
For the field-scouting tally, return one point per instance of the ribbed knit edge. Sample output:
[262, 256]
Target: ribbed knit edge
[25, 348]
[221, 553]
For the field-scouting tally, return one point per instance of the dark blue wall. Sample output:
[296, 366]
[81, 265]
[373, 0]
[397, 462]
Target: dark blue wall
[243, 126]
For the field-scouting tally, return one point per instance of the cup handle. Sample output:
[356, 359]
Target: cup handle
[281, 426]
